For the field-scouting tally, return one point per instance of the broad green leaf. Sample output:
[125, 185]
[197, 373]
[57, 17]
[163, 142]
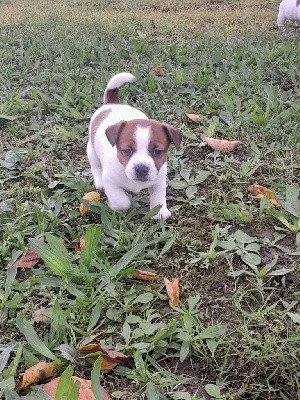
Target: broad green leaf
[4, 356]
[32, 338]
[243, 237]
[184, 350]
[213, 391]
[143, 298]
[92, 239]
[7, 384]
[295, 317]
[59, 322]
[12, 369]
[67, 389]
[57, 261]
[212, 345]
[251, 259]
[152, 392]
[95, 315]
[182, 396]
[201, 177]
[177, 184]
[213, 331]
[127, 258]
[96, 387]
[126, 332]
[280, 272]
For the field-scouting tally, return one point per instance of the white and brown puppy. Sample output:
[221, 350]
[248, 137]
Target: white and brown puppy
[288, 9]
[128, 152]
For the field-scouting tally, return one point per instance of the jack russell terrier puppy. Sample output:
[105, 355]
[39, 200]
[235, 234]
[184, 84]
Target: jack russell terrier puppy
[128, 152]
[288, 9]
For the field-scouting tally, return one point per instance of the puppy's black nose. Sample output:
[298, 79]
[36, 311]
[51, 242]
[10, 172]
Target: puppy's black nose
[141, 172]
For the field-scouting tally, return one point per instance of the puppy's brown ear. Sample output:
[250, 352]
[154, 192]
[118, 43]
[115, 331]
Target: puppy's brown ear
[174, 135]
[113, 132]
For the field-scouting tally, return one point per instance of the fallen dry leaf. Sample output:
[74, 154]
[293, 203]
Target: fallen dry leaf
[173, 290]
[287, 103]
[262, 192]
[79, 246]
[194, 117]
[157, 71]
[29, 259]
[37, 373]
[226, 146]
[109, 358]
[144, 275]
[85, 390]
[90, 196]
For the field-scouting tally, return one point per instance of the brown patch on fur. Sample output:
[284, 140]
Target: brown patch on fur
[297, 3]
[112, 96]
[122, 134]
[97, 121]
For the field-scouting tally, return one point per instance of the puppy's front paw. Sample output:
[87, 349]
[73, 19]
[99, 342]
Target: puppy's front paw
[119, 203]
[163, 213]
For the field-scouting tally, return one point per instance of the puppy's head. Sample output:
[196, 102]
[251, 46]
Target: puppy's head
[142, 146]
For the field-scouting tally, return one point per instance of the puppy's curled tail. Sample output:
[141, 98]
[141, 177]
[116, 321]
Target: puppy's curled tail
[111, 94]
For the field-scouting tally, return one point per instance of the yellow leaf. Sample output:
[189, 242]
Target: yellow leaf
[194, 117]
[79, 246]
[90, 196]
[157, 71]
[225, 146]
[37, 373]
[173, 290]
[144, 275]
[109, 358]
[262, 192]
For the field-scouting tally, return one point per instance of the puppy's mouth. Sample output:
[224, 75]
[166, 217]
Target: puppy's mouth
[141, 179]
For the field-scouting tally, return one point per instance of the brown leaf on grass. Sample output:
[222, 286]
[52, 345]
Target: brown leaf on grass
[144, 275]
[79, 246]
[29, 259]
[262, 192]
[157, 71]
[194, 118]
[85, 389]
[225, 146]
[287, 104]
[37, 373]
[109, 358]
[90, 196]
[173, 290]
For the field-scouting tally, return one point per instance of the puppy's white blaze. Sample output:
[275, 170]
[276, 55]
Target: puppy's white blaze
[142, 137]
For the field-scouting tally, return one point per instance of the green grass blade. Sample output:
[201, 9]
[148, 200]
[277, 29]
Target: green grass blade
[32, 338]
[96, 387]
[54, 262]
[67, 389]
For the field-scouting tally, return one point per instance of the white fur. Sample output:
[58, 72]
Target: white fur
[288, 9]
[116, 81]
[110, 175]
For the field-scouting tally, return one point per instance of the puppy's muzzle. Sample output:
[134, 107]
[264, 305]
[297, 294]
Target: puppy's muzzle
[141, 172]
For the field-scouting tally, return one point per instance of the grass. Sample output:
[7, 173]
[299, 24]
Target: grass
[235, 333]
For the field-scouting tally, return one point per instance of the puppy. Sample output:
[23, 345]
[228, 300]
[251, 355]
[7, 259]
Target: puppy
[288, 9]
[128, 152]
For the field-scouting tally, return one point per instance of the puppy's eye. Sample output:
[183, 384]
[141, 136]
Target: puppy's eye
[127, 152]
[156, 152]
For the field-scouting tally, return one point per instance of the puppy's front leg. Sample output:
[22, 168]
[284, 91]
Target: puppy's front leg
[118, 200]
[158, 197]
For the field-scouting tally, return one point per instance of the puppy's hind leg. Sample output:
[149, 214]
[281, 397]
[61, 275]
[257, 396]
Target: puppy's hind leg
[96, 166]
